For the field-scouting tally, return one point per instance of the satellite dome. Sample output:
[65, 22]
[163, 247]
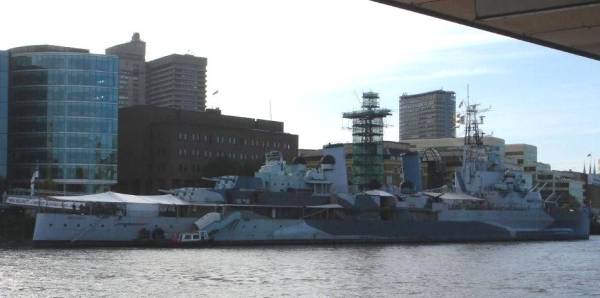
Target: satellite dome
[299, 160]
[327, 160]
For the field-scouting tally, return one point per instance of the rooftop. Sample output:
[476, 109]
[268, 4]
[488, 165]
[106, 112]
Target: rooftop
[427, 93]
[46, 49]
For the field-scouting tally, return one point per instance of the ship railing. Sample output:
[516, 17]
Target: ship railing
[552, 198]
[538, 188]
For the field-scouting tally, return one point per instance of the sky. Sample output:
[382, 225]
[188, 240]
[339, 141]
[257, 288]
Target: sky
[310, 61]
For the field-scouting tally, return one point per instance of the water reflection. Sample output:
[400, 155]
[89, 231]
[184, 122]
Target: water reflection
[554, 269]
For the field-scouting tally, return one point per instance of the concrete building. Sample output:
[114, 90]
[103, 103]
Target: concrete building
[429, 115]
[63, 119]
[523, 155]
[177, 81]
[132, 71]
[162, 148]
[523, 158]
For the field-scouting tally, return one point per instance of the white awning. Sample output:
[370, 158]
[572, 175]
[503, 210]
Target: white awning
[326, 206]
[379, 193]
[114, 197]
[453, 196]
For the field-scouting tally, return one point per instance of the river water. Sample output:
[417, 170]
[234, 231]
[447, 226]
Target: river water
[543, 269]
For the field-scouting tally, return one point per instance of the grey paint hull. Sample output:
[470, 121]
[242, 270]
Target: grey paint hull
[81, 230]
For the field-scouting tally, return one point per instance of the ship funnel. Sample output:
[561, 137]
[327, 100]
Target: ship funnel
[333, 165]
[411, 167]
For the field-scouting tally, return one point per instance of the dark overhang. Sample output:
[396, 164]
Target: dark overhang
[568, 25]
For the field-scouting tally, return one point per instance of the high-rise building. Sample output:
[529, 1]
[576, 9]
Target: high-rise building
[177, 81]
[174, 81]
[429, 115]
[132, 71]
[3, 112]
[63, 119]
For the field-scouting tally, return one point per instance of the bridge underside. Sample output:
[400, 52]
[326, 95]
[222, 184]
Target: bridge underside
[568, 25]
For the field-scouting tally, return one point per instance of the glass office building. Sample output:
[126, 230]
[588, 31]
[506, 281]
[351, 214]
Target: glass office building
[63, 119]
[3, 113]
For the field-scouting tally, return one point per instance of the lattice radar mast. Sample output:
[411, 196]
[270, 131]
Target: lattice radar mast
[367, 142]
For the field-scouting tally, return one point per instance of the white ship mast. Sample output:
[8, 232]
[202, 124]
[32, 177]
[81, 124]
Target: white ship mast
[473, 147]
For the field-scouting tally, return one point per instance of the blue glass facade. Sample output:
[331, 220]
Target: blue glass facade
[63, 108]
[3, 112]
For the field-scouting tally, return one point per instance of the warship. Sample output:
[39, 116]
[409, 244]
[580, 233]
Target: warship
[291, 203]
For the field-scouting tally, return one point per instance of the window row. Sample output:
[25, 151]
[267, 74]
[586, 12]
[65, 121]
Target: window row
[210, 139]
[65, 93]
[50, 172]
[196, 153]
[64, 156]
[63, 61]
[75, 109]
[64, 77]
[65, 124]
[64, 140]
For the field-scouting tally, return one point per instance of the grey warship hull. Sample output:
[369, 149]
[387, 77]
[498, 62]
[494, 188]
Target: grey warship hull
[238, 229]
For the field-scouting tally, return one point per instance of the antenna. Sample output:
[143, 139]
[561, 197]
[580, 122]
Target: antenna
[357, 97]
[468, 96]
[270, 112]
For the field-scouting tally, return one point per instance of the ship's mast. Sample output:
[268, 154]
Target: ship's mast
[473, 140]
[367, 142]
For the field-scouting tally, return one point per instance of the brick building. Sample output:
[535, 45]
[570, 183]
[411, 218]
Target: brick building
[162, 148]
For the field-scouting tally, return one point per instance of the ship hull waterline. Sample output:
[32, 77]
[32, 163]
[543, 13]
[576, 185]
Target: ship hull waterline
[123, 231]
